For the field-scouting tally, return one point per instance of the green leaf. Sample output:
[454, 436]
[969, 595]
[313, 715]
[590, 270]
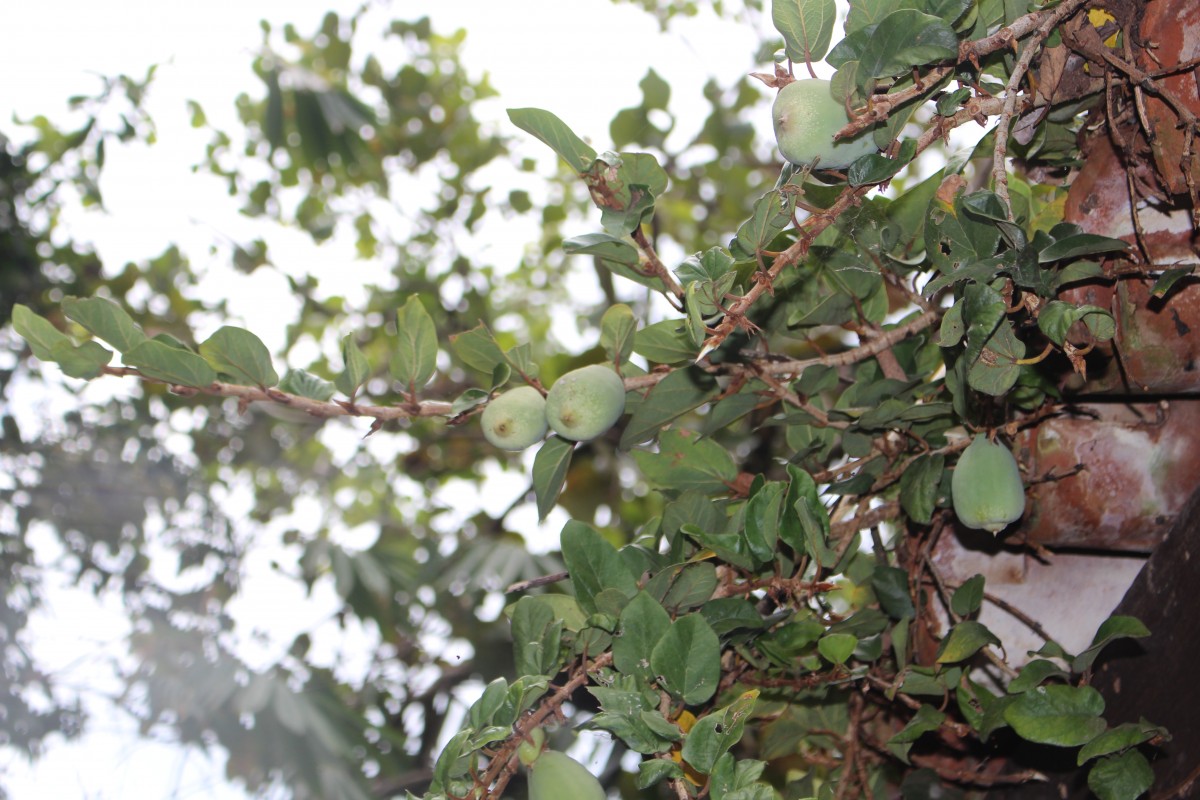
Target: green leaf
[477, 348]
[713, 735]
[1113, 628]
[305, 384]
[685, 461]
[988, 207]
[554, 132]
[241, 355]
[605, 246]
[593, 564]
[414, 360]
[919, 485]
[713, 264]
[38, 331]
[625, 197]
[1120, 738]
[965, 640]
[968, 598]
[483, 710]
[876, 168]
[678, 393]
[537, 636]
[624, 712]
[1056, 318]
[652, 771]
[1078, 246]
[806, 27]
[615, 254]
[105, 320]
[814, 521]
[954, 239]
[996, 369]
[1168, 279]
[550, 467]
[665, 342]
[864, 624]
[728, 614]
[952, 329]
[688, 659]
[696, 330]
[452, 761]
[926, 720]
[1066, 716]
[355, 369]
[1078, 271]
[891, 589]
[837, 647]
[684, 586]
[1034, 674]
[894, 45]
[156, 359]
[617, 330]
[772, 213]
[1124, 777]
[763, 512]
[643, 623]
[842, 287]
[83, 361]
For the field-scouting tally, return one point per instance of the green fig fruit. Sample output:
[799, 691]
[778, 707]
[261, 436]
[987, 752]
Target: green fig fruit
[516, 419]
[557, 776]
[806, 118]
[585, 402]
[986, 486]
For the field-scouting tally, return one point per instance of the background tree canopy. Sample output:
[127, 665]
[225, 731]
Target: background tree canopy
[755, 588]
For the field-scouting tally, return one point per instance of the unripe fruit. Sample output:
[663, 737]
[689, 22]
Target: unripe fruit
[530, 749]
[557, 776]
[986, 486]
[516, 419]
[585, 402]
[806, 118]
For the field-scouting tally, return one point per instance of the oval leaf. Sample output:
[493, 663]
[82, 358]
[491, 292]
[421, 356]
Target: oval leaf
[157, 359]
[1066, 716]
[550, 467]
[688, 659]
[105, 320]
[415, 358]
[241, 355]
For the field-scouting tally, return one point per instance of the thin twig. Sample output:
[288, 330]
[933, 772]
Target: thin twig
[655, 263]
[1021, 616]
[533, 583]
[315, 408]
[1000, 153]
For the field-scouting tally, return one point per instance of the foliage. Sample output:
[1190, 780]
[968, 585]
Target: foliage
[803, 377]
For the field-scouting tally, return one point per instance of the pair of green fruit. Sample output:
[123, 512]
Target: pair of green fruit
[580, 406]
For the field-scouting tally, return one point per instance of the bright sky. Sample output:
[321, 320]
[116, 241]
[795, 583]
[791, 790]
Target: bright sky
[537, 55]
